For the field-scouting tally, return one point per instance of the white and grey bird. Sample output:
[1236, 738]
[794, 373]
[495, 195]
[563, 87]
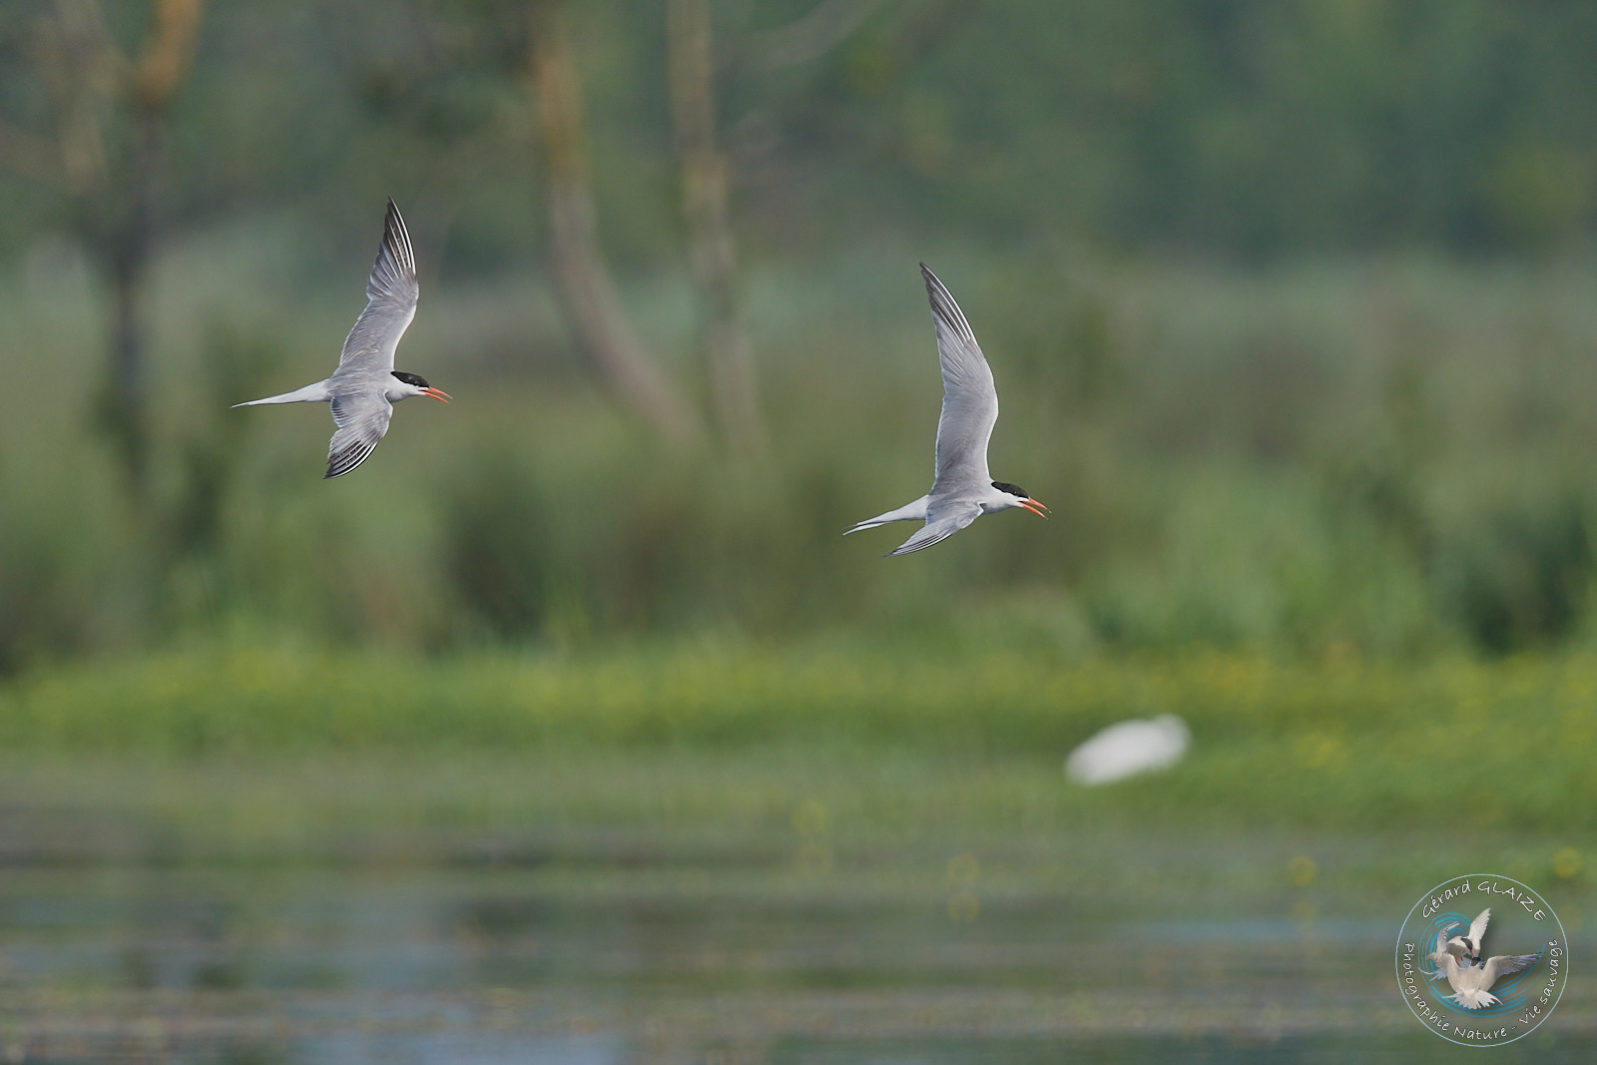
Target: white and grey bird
[1471, 982]
[1470, 943]
[1124, 749]
[363, 390]
[962, 489]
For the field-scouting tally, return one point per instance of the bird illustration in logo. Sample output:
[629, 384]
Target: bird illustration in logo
[1458, 959]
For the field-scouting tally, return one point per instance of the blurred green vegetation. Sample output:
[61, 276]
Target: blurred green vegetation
[1289, 307]
[1343, 744]
[1223, 128]
[1388, 456]
[1290, 311]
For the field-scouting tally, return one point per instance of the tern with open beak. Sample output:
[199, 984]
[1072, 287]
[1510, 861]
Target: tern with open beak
[962, 489]
[1469, 944]
[363, 390]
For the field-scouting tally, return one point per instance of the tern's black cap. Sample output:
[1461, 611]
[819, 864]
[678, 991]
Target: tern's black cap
[1012, 489]
[411, 378]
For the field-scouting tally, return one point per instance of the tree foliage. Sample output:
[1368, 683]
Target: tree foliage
[1223, 127]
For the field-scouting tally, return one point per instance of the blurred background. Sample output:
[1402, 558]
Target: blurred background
[569, 728]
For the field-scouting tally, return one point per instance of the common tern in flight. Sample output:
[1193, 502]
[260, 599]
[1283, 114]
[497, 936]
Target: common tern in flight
[962, 489]
[364, 388]
[1472, 983]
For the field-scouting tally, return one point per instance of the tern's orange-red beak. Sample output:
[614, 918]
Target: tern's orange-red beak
[1039, 509]
[436, 393]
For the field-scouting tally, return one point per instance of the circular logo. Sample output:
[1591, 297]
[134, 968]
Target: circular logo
[1482, 959]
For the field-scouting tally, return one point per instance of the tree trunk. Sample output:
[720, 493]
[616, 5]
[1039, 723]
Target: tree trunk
[709, 232]
[130, 238]
[125, 413]
[587, 294]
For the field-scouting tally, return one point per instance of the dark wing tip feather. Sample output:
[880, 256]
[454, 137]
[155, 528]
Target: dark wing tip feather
[915, 543]
[1516, 963]
[396, 233]
[944, 307]
[346, 459]
[394, 272]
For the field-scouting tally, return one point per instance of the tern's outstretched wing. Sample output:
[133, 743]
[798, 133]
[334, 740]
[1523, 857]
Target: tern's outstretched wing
[1443, 946]
[970, 402]
[391, 293]
[939, 527]
[362, 419]
[1477, 928]
[1504, 964]
[1443, 958]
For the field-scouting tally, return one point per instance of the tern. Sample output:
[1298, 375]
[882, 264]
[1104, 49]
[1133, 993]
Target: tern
[962, 489]
[363, 390]
[1471, 984]
[1471, 944]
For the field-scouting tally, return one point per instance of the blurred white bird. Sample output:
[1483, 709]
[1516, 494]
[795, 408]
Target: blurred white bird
[1472, 983]
[1141, 745]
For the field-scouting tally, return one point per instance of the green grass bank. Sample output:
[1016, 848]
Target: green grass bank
[1339, 743]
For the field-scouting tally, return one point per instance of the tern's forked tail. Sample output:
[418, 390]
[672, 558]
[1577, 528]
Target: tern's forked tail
[317, 393]
[915, 511]
[1472, 999]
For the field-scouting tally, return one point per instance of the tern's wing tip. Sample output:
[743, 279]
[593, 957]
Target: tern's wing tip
[347, 461]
